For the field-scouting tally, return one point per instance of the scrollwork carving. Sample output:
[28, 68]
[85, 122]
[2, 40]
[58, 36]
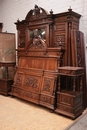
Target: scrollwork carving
[31, 95]
[19, 79]
[36, 12]
[78, 44]
[37, 44]
[45, 99]
[31, 82]
[47, 84]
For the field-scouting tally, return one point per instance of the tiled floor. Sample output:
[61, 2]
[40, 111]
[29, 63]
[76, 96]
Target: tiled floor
[16, 114]
[80, 123]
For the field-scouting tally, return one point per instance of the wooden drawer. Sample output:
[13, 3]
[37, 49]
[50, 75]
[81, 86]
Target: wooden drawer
[48, 101]
[27, 95]
[69, 100]
[69, 111]
[65, 108]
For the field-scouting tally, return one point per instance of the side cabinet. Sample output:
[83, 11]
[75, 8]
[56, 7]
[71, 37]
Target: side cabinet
[6, 81]
[70, 95]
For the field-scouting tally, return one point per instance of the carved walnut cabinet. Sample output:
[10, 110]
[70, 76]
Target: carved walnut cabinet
[44, 44]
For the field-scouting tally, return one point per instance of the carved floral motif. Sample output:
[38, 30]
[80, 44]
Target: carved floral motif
[31, 82]
[19, 79]
[47, 85]
[28, 94]
[45, 99]
[78, 49]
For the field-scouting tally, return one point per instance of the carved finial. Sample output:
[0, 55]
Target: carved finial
[36, 7]
[36, 10]
[51, 12]
[70, 9]
[18, 20]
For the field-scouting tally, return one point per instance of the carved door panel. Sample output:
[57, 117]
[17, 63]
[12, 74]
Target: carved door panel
[27, 84]
[32, 82]
[18, 79]
[48, 85]
[47, 97]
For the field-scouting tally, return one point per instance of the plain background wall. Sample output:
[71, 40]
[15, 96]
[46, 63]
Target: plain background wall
[11, 10]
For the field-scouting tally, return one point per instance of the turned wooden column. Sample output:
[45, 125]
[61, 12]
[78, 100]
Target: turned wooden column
[1, 26]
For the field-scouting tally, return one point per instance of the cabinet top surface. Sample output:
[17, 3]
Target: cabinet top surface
[70, 71]
[70, 68]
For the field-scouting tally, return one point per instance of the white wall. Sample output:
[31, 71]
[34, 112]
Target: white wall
[11, 10]
[0, 11]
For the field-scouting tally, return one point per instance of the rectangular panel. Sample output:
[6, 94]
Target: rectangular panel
[48, 85]
[27, 95]
[65, 99]
[32, 82]
[7, 47]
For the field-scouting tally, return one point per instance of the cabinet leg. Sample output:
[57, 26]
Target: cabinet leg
[52, 111]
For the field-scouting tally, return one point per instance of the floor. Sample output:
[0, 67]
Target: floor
[17, 114]
[80, 123]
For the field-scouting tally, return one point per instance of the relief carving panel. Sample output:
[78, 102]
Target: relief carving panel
[78, 44]
[47, 85]
[19, 79]
[31, 82]
[45, 99]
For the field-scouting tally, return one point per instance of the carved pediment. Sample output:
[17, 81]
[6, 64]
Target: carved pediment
[36, 43]
[36, 13]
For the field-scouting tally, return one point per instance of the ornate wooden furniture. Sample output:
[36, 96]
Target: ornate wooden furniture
[70, 95]
[36, 75]
[5, 81]
[44, 44]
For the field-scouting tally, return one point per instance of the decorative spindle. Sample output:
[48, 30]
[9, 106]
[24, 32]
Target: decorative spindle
[51, 12]
[74, 84]
[6, 72]
[70, 9]
[81, 84]
[59, 84]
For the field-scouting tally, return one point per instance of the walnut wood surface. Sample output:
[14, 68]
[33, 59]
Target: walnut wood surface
[36, 77]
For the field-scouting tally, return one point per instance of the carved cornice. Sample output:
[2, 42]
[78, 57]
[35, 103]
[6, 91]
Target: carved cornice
[36, 13]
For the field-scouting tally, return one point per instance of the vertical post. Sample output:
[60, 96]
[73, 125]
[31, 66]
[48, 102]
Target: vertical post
[74, 84]
[59, 84]
[69, 45]
[81, 84]
[6, 72]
